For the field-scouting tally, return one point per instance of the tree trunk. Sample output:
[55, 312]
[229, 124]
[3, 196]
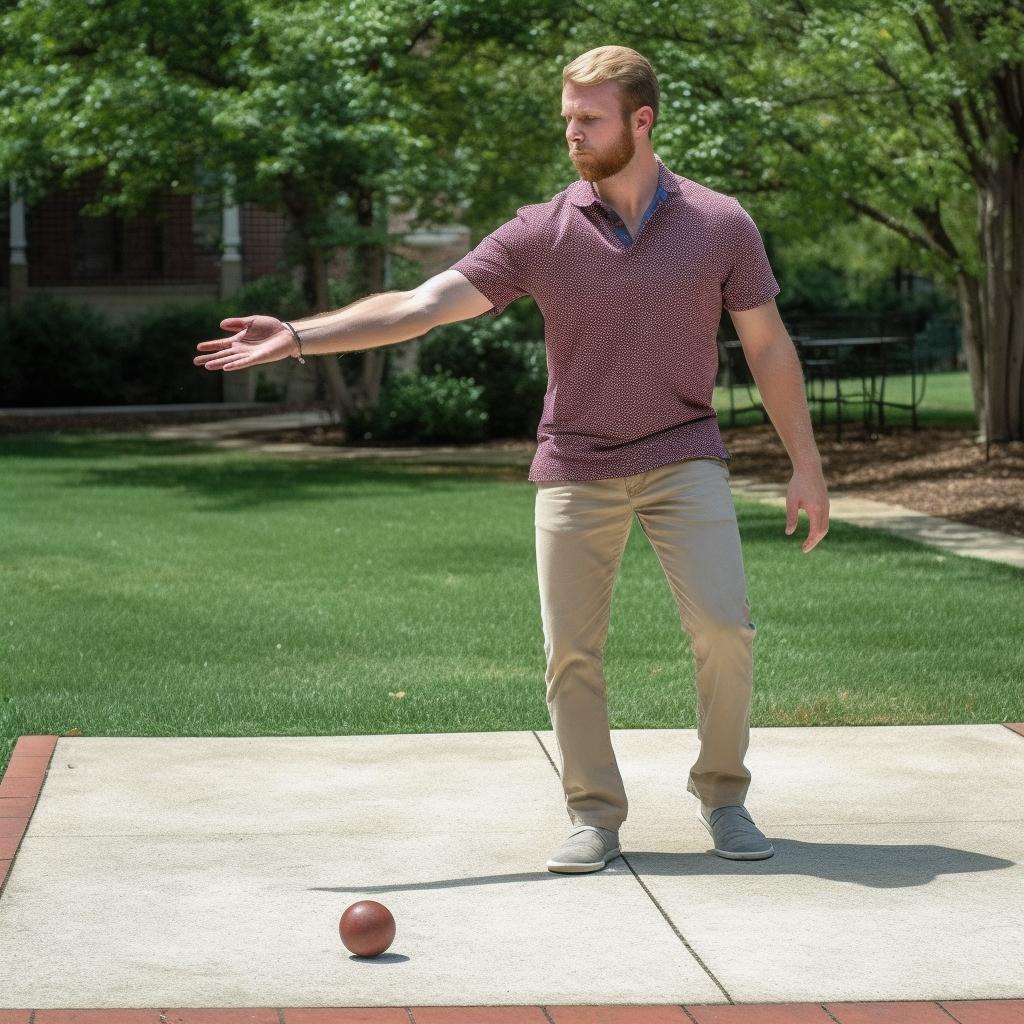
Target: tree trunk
[1001, 234]
[968, 290]
[312, 262]
[369, 263]
[342, 400]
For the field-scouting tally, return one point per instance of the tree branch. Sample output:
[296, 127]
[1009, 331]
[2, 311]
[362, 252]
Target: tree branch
[885, 219]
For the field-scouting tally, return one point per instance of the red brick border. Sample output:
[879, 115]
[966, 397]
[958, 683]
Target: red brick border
[968, 1011]
[19, 792]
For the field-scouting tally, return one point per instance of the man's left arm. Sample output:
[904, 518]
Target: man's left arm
[775, 366]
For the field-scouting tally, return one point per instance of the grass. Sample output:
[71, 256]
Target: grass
[154, 588]
[946, 401]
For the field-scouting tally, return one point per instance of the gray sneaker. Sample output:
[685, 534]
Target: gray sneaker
[588, 848]
[734, 833]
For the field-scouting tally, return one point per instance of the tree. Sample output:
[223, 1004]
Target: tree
[928, 119]
[329, 112]
[905, 114]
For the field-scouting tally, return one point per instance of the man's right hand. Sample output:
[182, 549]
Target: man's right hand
[257, 339]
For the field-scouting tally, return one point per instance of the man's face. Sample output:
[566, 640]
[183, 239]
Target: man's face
[600, 142]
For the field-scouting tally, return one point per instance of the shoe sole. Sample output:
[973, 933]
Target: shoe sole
[755, 855]
[568, 868]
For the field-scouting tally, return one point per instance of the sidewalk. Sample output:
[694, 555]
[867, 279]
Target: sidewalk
[212, 873]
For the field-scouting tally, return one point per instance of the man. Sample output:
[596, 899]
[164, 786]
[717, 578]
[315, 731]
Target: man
[630, 266]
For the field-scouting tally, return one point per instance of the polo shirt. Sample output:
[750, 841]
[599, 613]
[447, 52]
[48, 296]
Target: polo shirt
[630, 325]
[619, 226]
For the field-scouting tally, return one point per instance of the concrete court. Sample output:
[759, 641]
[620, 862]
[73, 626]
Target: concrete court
[212, 872]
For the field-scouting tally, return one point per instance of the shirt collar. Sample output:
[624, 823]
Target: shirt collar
[583, 193]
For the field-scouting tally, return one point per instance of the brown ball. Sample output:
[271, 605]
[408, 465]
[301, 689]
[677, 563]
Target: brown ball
[367, 928]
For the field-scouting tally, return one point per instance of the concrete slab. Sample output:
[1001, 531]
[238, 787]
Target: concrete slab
[213, 871]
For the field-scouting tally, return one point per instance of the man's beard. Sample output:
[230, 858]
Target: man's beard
[596, 167]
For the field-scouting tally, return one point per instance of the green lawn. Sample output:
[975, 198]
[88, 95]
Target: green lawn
[944, 401]
[163, 589]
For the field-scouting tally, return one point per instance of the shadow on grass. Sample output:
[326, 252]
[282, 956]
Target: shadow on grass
[237, 479]
[58, 444]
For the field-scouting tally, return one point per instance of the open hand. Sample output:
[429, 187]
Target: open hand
[257, 339]
[807, 490]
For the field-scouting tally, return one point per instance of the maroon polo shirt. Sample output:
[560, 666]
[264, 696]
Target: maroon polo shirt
[630, 329]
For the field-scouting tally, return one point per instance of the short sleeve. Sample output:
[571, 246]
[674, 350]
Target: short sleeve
[496, 267]
[750, 281]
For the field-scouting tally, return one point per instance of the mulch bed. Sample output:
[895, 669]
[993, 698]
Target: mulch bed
[938, 470]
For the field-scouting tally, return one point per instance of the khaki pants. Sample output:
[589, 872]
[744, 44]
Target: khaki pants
[686, 510]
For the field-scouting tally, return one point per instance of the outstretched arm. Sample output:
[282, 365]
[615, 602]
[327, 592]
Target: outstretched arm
[382, 319]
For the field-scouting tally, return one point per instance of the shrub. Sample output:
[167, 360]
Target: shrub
[58, 352]
[270, 295]
[156, 356]
[504, 357]
[419, 409]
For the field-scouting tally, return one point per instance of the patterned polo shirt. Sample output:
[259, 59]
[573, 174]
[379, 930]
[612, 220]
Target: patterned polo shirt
[620, 228]
[630, 325]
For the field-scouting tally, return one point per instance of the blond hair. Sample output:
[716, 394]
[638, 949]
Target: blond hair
[638, 85]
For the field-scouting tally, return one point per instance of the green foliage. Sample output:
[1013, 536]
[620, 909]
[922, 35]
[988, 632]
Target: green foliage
[811, 117]
[477, 379]
[270, 295]
[841, 274]
[861, 135]
[157, 352]
[417, 409]
[504, 357]
[58, 353]
[267, 390]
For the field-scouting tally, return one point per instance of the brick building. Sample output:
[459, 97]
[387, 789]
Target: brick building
[195, 248]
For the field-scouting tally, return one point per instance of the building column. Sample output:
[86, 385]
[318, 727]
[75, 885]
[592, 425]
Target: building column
[239, 385]
[18, 253]
[231, 243]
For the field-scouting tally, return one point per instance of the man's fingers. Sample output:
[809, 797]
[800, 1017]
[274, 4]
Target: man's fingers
[792, 515]
[219, 353]
[819, 527]
[818, 524]
[217, 348]
[217, 361]
[217, 343]
[208, 359]
[809, 543]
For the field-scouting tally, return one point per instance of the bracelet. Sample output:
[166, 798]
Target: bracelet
[295, 334]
